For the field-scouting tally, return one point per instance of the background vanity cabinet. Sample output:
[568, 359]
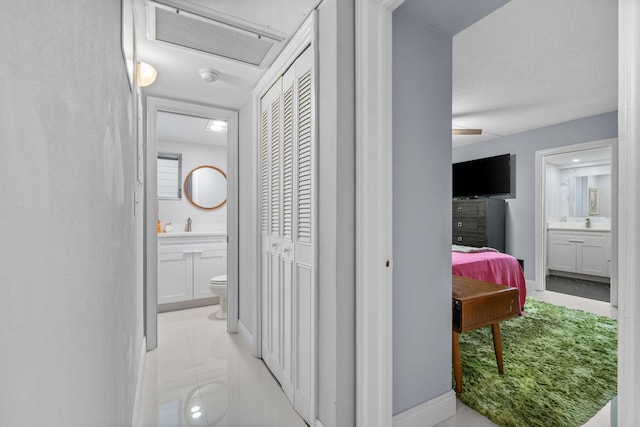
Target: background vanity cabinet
[582, 252]
[186, 265]
[479, 222]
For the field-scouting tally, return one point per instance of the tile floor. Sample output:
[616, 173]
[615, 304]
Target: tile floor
[201, 376]
[579, 287]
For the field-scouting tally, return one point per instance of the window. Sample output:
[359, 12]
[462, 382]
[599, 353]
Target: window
[169, 176]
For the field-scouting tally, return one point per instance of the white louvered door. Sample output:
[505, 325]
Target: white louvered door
[304, 234]
[288, 254]
[270, 201]
[287, 192]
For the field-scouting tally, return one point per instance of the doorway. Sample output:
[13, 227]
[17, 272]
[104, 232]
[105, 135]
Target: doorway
[575, 220]
[155, 108]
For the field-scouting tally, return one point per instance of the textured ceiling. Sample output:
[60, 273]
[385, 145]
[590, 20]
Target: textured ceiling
[535, 63]
[178, 75]
[527, 65]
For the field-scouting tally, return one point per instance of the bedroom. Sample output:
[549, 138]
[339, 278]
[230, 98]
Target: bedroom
[576, 81]
[556, 131]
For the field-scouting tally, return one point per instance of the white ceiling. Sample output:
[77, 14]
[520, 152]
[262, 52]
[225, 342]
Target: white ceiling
[527, 65]
[178, 68]
[181, 128]
[582, 158]
[535, 63]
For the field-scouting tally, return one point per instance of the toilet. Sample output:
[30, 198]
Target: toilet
[218, 286]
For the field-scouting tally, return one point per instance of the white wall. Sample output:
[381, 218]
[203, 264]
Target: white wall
[336, 209]
[177, 211]
[248, 215]
[70, 310]
[421, 213]
[520, 227]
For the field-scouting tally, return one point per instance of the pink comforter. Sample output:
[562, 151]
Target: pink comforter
[493, 267]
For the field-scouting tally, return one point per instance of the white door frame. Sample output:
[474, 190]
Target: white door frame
[373, 217]
[154, 105]
[628, 208]
[541, 210]
[374, 296]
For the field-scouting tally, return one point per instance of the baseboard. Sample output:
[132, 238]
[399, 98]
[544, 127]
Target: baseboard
[531, 287]
[136, 420]
[246, 336]
[428, 413]
[183, 305]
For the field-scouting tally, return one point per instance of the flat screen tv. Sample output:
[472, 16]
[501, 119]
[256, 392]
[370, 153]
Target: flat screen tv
[490, 176]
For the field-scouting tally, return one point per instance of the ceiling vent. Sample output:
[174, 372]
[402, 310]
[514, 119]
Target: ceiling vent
[215, 35]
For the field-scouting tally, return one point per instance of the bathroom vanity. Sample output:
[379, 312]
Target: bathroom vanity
[186, 263]
[583, 251]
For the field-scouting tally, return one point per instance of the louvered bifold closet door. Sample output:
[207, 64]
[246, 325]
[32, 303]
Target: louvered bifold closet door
[288, 254]
[270, 217]
[287, 194]
[304, 232]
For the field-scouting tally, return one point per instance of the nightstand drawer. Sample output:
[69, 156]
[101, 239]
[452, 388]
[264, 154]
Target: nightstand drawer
[464, 239]
[469, 208]
[469, 224]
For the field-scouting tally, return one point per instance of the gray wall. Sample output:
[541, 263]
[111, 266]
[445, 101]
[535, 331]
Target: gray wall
[421, 213]
[70, 310]
[520, 216]
[336, 204]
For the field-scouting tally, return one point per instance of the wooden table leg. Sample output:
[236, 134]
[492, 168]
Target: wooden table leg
[457, 361]
[497, 346]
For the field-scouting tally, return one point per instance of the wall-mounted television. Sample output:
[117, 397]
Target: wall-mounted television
[489, 176]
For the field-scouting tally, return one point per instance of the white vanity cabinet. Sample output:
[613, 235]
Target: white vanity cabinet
[186, 264]
[581, 252]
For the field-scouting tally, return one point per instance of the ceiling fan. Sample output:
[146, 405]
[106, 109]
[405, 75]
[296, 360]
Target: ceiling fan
[466, 131]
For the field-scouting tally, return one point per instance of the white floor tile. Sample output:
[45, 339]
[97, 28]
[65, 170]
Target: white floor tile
[202, 376]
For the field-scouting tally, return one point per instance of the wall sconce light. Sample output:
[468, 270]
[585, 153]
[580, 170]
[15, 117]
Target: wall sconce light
[145, 74]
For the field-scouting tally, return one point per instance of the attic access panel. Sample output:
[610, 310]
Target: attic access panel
[209, 35]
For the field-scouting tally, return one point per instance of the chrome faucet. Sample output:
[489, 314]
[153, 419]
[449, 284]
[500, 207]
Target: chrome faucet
[188, 227]
[587, 223]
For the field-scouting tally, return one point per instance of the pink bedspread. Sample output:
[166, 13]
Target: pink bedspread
[493, 267]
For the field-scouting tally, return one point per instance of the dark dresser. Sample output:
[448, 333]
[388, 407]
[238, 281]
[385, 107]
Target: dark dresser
[479, 222]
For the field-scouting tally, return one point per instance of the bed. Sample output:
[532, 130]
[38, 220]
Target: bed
[489, 265]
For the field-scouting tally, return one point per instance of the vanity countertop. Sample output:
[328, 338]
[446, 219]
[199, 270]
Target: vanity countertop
[191, 234]
[597, 229]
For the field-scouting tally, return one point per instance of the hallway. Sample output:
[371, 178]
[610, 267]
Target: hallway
[202, 376]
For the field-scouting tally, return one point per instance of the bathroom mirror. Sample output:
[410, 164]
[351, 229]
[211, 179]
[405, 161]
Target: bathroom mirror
[585, 193]
[206, 187]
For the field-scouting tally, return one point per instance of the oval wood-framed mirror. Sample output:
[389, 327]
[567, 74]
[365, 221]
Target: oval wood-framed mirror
[206, 187]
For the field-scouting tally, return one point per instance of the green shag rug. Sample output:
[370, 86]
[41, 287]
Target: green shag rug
[560, 367]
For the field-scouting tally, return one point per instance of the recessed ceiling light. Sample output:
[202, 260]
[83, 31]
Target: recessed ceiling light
[576, 160]
[216, 126]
